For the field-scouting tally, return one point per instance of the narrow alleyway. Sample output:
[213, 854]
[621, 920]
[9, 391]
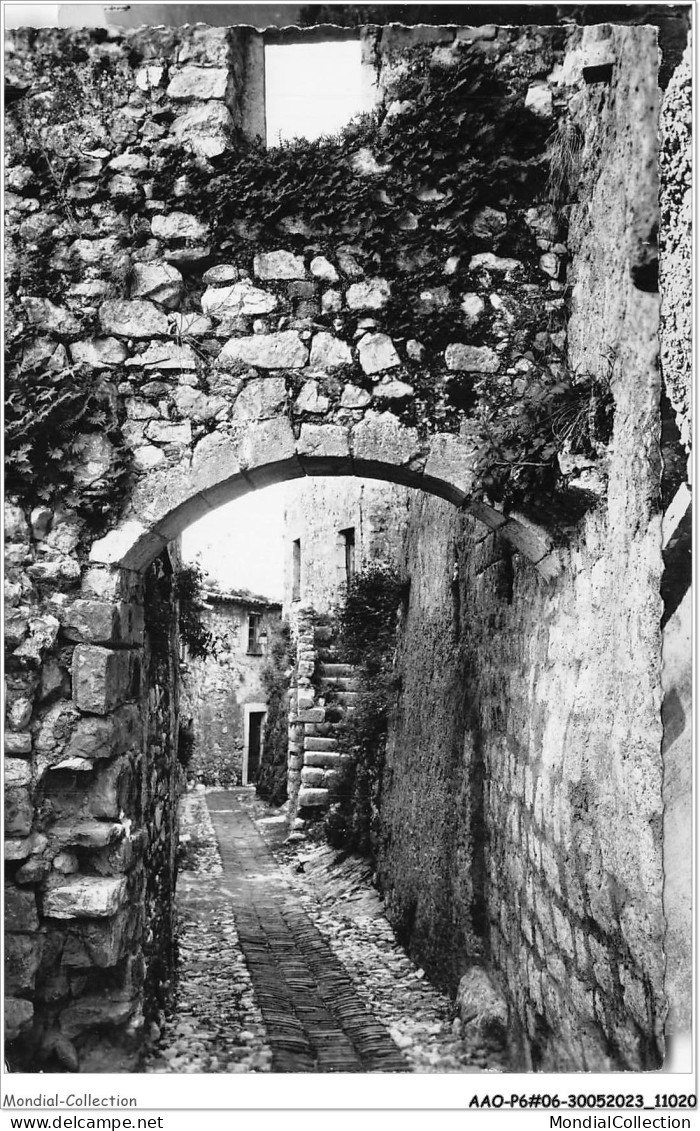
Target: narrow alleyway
[275, 975]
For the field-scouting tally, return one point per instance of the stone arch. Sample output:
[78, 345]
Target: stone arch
[224, 467]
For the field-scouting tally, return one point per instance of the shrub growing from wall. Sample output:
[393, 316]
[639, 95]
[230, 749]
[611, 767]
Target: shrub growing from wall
[272, 775]
[365, 633]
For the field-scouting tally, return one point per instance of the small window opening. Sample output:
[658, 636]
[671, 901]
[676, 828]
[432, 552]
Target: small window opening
[254, 643]
[348, 540]
[296, 570]
[311, 89]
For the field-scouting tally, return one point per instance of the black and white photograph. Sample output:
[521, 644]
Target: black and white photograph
[348, 565]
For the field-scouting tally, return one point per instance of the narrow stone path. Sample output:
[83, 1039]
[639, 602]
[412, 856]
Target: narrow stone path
[286, 961]
[314, 1019]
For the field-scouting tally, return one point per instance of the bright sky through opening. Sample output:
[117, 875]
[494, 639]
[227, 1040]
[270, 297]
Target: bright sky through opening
[240, 545]
[311, 89]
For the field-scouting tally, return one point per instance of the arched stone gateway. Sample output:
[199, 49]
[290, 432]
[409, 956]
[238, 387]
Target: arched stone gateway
[164, 363]
[257, 453]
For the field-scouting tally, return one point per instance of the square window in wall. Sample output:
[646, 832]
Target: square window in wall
[347, 540]
[311, 89]
[254, 643]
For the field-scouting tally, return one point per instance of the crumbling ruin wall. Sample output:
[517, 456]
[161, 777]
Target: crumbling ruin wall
[161, 363]
[533, 708]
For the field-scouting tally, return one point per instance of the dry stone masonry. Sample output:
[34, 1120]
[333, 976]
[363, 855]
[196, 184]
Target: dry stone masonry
[163, 363]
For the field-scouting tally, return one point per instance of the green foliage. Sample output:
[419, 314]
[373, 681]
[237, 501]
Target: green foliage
[272, 774]
[160, 611]
[187, 591]
[463, 141]
[366, 619]
[564, 155]
[521, 436]
[174, 602]
[48, 415]
[185, 744]
[366, 624]
[452, 151]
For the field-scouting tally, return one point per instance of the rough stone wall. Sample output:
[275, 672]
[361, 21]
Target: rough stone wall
[316, 510]
[209, 393]
[551, 692]
[216, 688]
[156, 823]
[92, 799]
[675, 275]
[217, 365]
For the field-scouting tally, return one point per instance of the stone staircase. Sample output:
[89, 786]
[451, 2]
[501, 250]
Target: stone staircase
[327, 692]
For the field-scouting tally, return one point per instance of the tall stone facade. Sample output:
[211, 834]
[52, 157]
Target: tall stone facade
[332, 530]
[222, 690]
[535, 711]
[159, 369]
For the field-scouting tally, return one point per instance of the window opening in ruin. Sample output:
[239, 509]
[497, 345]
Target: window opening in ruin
[348, 539]
[254, 642]
[311, 89]
[296, 569]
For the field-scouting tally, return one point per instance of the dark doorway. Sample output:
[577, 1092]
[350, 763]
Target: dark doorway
[255, 735]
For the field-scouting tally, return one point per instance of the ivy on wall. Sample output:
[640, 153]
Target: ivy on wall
[463, 140]
[365, 631]
[271, 782]
[400, 191]
[50, 417]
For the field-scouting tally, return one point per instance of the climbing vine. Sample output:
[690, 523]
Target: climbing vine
[365, 629]
[271, 782]
[51, 415]
[177, 593]
[402, 189]
[397, 193]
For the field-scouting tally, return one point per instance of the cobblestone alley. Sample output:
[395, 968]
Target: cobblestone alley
[284, 971]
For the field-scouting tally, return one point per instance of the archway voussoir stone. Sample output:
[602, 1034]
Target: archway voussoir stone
[171, 525]
[532, 540]
[487, 514]
[267, 442]
[449, 471]
[324, 449]
[381, 443]
[131, 545]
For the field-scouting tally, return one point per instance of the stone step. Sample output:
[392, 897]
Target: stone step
[318, 777]
[310, 798]
[340, 683]
[313, 743]
[333, 669]
[325, 759]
